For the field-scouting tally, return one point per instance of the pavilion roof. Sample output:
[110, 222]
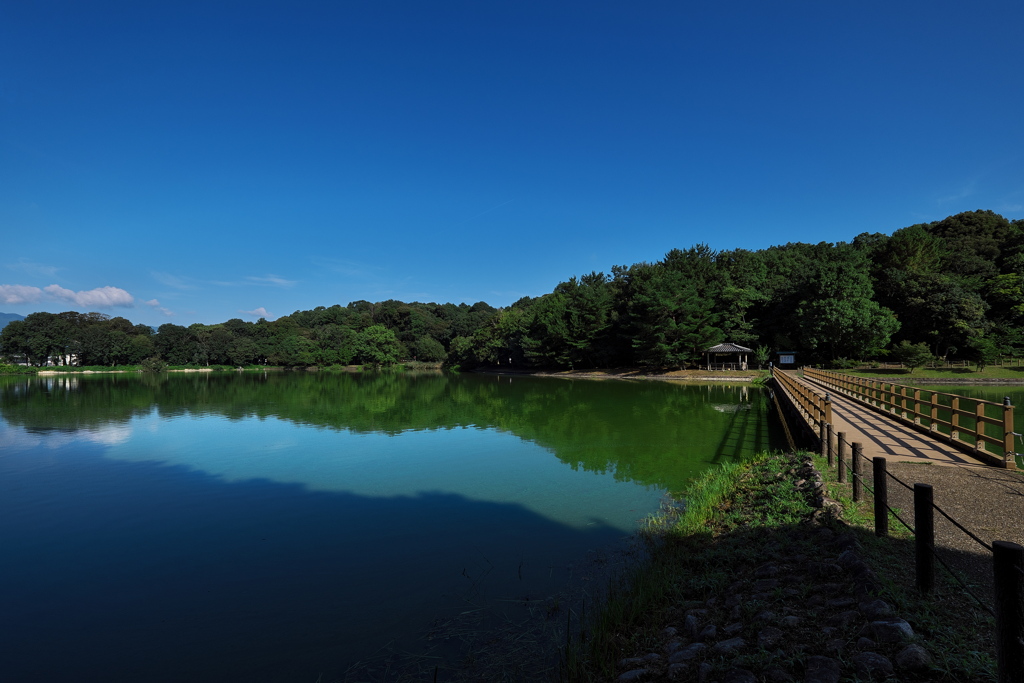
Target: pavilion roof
[729, 347]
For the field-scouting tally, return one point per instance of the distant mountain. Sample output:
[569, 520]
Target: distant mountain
[8, 317]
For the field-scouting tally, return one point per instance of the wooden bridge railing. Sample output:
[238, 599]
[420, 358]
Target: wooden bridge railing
[982, 428]
[814, 404]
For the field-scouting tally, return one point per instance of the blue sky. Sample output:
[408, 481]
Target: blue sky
[199, 161]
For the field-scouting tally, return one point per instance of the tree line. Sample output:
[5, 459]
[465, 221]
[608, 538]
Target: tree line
[953, 288]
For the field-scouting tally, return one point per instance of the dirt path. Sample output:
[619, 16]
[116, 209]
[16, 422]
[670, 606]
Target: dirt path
[987, 501]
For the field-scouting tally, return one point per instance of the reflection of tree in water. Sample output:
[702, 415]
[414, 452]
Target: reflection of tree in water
[654, 433]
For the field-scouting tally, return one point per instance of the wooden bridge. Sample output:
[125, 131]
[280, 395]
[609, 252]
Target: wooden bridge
[901, 423]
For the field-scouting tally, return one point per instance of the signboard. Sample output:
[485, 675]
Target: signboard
[787, 359]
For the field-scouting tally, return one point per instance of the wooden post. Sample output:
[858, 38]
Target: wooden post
[881, 497]
[841, 459]
[823, 437]
[1008, 444]
[828, 408]
[858, 479]
[924, 537]
[954, 418]
[934, 426]
[830, 436]
[979, 427]
[1007, 565]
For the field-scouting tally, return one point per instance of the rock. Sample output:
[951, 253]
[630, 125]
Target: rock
[844, 619]
[728, 647]
[691, 626]
[914, 658]
[839, 603]
[735, 613]
[874, 610]
[836, 645]
[739, 676]
[872, 664]
[790, 621]
[707, 633]
[767, 570]
[676, 670]
[768, 637]
[631, 662]
[669, 632]
[636, 675]
[704, 673]
[672, 646]
[712, 601]
[700, 613]
[845, 541]
[865, 643]
[734, 600]
[762, 585]
[777, 676]
[687, 653]
[733, 629]
[821, 670]
[890, 630]
[635, 662]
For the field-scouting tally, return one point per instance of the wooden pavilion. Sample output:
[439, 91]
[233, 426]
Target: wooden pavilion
[727, 356]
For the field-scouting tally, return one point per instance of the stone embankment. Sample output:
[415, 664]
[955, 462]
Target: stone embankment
[808, 612]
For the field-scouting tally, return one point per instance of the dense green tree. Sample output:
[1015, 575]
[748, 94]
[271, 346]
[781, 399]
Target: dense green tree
[911, 355]
[377, 346]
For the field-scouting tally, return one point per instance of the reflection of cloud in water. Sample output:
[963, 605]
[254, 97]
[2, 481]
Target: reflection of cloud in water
[110, 435]
[731, 407]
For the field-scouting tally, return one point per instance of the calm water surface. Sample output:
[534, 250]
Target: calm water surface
[280, 527]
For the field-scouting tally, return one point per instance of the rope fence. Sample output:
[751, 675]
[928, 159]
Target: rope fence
[1008, 558]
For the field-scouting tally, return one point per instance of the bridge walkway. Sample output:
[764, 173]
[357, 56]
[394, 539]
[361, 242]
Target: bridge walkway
[880, 436]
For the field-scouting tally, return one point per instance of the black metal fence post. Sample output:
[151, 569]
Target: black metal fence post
[841, 457]
[858, 471]
[924, 537]
[881, 496]
[1008, 565]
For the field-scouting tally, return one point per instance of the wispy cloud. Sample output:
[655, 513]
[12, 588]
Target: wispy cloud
[343, 266]
[257, 313]
[25, 266]
[174, 281]
[101, 297]
[156, 304]
[272, 280]
[963, 192]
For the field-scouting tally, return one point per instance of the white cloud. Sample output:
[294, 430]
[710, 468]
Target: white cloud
[257, 313]
[101, 297]
[20, 294]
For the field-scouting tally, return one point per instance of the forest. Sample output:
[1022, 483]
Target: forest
[951, 289]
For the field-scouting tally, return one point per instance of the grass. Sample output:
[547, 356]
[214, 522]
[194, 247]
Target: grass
[967, 374]
[961, 634]
[693, 552]
[737, 516]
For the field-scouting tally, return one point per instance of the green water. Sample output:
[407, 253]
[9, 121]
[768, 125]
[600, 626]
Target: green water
[278, 527]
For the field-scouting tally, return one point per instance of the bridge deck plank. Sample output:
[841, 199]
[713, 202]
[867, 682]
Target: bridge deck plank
[890, 439]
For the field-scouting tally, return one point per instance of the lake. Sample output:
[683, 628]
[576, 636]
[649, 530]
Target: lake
[309, 526]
